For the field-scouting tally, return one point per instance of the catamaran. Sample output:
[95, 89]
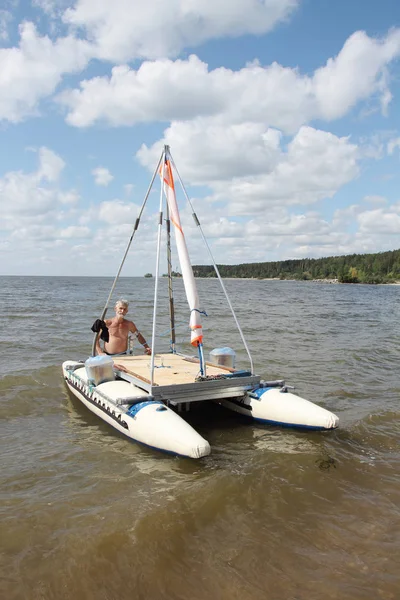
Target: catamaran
[145, 402]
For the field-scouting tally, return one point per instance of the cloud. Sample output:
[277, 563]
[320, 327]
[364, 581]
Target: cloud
[52, 8]
[161, 90]
[316, 165]
[242, 139]
[374, 145]
[392, 145]
[121, 30]
[381, 221]
[33, 70]
[375, 199]
[102, 176]
[116, 212]
[74, 232]
[5, 20]
[128, 188]
[357, 72]
[32, 193]
[207, 152]
[286, 235]
[280, 97]
[124, 30]
[71, 197]
[51, 165]
[259, 173]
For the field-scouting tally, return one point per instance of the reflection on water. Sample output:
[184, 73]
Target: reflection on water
[270, 513]
[284, 442]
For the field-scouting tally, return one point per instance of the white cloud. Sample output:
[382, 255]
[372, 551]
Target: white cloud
[22, 194]
[205, 151]
[32, 193]
[284, 235]
[51, 165]
[309, 235]
[242, 134]
[102, 176]
[343, 216]
[116, 212]
[128, 188]
[165, 90]
[33, 233]
[381, 221]
[124, 30]
[374, 145]
[314, 166]
[73, 232]
[375, 199]
[5, 20]
[259, 173]
[52, 8]
[34, 69]
[392, 145]
[160, 90]
[357, 72]
[70, 197]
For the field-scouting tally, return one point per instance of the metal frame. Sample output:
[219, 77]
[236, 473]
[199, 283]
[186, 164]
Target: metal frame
[212, 389]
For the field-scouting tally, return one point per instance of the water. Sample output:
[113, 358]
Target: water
[272, 513]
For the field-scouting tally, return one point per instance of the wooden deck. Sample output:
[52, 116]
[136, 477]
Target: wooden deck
[175, 378]
[170, 369]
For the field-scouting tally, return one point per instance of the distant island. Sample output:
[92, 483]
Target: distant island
[148, 275]
[381, 267]
[175, 274]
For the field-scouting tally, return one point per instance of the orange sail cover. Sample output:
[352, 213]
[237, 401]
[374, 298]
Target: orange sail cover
[186, 267]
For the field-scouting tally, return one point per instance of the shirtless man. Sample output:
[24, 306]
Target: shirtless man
[119, 329]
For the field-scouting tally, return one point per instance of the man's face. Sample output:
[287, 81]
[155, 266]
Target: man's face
[121, 310]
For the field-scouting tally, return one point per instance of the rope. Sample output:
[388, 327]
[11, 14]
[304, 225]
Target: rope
[202, 312]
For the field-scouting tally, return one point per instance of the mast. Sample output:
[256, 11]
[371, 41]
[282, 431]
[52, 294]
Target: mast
[160, 219]
[170, 290]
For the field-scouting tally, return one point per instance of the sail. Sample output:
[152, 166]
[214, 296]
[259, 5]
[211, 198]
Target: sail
[186, 267]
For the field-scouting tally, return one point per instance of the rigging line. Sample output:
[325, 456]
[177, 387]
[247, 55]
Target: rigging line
[196, 220]
[103, 314]
[175, 327]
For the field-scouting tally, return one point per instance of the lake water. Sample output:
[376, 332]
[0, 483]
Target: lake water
[271, 513]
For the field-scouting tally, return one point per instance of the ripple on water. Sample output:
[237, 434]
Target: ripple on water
[304, 515]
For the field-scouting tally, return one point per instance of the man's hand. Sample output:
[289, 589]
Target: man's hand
[147, 351]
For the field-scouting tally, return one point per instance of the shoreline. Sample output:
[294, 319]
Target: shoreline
[330, 281]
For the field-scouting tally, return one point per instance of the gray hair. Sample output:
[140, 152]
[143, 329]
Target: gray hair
[122, 302]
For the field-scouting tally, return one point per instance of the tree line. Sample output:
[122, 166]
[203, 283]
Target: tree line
[381, 267]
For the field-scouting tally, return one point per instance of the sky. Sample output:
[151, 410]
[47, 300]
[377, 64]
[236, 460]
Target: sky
[282, 116]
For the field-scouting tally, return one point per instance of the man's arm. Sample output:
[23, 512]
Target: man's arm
[140, 338]
[99, 349]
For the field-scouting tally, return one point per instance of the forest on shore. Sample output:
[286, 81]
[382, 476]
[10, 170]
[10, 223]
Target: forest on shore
[381, 267]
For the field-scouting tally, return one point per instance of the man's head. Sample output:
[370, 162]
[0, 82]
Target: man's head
[121, 307]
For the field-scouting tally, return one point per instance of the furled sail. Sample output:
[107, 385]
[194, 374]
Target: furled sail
[186, 267]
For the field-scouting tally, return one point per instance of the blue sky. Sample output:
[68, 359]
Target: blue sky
[283, 117]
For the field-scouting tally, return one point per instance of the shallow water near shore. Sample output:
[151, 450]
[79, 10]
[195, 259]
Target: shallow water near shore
[271, 513]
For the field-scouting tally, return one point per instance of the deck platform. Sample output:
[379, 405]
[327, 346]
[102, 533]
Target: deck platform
[175, 378]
